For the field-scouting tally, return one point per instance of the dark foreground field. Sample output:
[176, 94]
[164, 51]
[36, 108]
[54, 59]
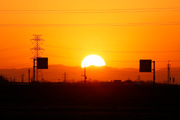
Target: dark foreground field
[89, 101]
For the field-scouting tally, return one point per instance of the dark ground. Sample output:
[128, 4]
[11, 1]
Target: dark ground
[89, 101]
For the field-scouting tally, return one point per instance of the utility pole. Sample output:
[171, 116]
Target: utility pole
[22, 77]
[138, 78]
[29, 77]
[14, 79]
[169, 79]
[65, 76]
[85, 77]
[36, 49]
[42, 78]
[173, 80]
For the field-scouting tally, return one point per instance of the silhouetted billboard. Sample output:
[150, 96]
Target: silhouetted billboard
[42, 63]
[145, 66]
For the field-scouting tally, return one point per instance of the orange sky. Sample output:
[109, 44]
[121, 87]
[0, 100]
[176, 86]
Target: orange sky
[118, 31]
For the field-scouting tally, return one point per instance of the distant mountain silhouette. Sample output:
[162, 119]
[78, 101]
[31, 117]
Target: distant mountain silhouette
[55, 74]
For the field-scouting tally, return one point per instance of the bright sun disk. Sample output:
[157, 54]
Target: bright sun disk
[92, 60]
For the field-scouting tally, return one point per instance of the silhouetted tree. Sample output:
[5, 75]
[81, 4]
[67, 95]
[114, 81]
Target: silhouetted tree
[3, 79]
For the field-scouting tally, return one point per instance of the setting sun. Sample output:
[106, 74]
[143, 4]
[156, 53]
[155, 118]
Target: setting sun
[92, 60]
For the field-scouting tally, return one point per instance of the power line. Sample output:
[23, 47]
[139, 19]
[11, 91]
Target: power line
[15, 65]
[13, 48]
[65, 57]
[93, 24]
[174, 9]
[51, 55]
[170, 51]
[13, 57]
[156, 61]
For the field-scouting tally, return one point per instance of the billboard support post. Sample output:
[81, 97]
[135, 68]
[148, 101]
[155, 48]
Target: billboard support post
[34, 69]
[153, 72]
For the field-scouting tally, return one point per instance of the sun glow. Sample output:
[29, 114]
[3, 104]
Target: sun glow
[92, 60]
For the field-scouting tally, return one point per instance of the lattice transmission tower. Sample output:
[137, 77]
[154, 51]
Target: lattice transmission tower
[37, 50]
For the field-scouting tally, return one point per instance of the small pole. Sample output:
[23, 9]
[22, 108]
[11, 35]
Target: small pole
[168, 73]
[14, 80]
[153, 72]
[138, 78]
[64, 77]
[85, 77]
[29, 78]
[22, 77]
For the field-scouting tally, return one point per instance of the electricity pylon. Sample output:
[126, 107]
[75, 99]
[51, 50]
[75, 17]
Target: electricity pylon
[37, 50]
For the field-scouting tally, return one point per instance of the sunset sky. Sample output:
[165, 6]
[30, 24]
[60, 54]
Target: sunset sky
[120, 31]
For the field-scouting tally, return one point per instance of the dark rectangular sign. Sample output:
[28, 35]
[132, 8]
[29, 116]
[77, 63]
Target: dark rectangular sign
[42, 63]
[145, 66]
